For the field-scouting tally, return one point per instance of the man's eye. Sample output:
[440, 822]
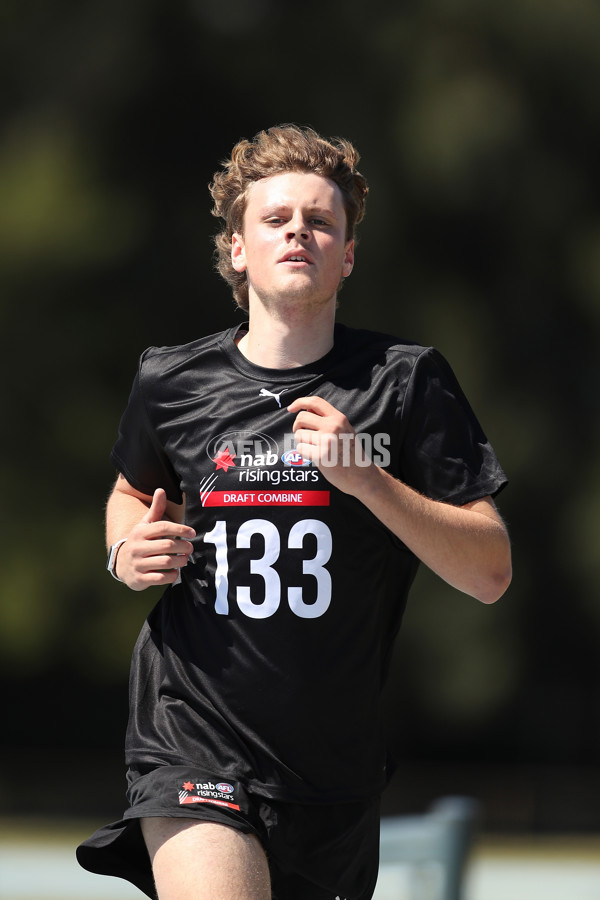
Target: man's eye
[317, 221]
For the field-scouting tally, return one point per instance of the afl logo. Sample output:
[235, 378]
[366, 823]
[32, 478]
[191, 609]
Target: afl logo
[225, 788]
[293, 458]
[248, 448]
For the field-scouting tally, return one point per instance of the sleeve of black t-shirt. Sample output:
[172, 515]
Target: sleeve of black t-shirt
[444, 453]
[138, 454]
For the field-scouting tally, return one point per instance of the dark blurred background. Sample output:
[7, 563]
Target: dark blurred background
[479, 129]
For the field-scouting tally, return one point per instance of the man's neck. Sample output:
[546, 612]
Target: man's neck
[290, 341]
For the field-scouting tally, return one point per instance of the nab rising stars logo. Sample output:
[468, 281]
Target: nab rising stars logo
[220, 794]
[248, 460]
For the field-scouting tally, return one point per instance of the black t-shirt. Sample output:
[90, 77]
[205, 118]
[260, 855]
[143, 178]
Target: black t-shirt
[266, 662]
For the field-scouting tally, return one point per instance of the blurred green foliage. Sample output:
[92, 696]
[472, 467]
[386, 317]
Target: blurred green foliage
[479, 128]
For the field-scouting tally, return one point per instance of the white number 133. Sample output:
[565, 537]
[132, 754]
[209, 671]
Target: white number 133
[264, 567]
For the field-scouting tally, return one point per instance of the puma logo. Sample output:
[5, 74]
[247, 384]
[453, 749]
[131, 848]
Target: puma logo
[265, 393]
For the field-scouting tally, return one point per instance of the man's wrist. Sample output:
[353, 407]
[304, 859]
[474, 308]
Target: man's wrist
[111, 564]
[372, 482]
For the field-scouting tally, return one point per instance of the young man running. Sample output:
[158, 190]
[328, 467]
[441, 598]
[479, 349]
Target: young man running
[283, 480]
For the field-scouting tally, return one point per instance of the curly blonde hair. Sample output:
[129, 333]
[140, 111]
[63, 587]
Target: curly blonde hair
[283, 148]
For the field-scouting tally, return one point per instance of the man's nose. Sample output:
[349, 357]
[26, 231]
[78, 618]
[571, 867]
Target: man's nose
[298, 228]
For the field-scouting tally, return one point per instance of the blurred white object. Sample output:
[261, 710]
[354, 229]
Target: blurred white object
[424, 857]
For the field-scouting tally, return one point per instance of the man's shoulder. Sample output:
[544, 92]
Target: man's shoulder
[164, 360]
[367, 340]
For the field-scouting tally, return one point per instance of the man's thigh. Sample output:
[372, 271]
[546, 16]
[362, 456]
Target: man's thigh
[195, 860]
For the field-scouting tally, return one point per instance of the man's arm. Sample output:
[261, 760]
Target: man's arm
[158, 543]
[467, 546]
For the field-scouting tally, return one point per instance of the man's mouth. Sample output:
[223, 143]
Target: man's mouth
[296, 258]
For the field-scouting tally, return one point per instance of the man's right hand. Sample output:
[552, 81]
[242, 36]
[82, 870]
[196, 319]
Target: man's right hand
[155, 549]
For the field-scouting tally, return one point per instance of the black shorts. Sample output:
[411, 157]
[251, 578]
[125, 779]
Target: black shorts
[315, 852]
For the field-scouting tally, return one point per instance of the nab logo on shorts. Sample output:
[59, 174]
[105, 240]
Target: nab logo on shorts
[293, 458]
[192, 793]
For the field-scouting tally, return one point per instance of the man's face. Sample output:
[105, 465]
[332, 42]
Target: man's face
[294, 246]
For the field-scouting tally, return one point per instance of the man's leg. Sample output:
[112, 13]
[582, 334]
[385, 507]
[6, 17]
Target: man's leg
[194, 860]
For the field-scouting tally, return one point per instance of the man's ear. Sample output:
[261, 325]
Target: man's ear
[348, 263]
[238, 252]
